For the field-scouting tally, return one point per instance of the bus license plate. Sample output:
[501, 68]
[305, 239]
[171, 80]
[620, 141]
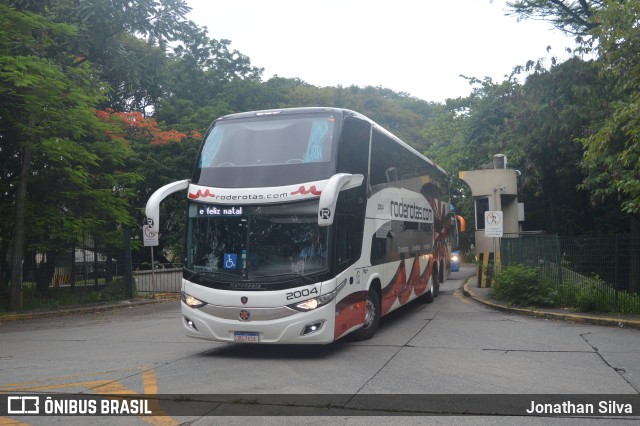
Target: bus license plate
[245, 337]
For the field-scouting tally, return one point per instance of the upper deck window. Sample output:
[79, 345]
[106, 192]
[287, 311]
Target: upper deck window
[266, 151]
[271, 141]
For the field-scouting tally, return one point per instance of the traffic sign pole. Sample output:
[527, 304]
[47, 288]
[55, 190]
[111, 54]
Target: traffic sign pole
[153, 276]
[493, 228]
[150, 239]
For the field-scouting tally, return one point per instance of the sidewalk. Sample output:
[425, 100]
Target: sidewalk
[87, 309]
[483, 296]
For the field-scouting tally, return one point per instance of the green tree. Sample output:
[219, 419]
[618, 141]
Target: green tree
[204, 80]
[536, 125]
[612, 152]
[50, 130]
[125, 40]
[162, 156]
[572, 17]
[611, 155]
[552, 110]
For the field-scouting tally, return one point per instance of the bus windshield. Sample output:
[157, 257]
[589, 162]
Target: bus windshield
[255, 242]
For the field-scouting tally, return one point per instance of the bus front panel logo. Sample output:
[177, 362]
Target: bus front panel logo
[244, 315]
[244, 300]
[325, 213]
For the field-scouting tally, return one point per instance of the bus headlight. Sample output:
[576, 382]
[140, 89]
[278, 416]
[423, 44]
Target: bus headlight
[316, 302]
[191, 301]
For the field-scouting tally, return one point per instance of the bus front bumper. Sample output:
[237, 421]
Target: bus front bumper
[235, 324]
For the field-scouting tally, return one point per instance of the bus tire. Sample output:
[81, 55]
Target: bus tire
[372, 317]
[435, 287]
[428, 297]
[435, 283]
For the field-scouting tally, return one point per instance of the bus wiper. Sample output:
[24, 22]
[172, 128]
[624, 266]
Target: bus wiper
[208, 274]
[309, 278]
[193, 275]
[299, 275]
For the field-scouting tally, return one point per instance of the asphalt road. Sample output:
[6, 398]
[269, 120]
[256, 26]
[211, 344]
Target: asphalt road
[452, 346]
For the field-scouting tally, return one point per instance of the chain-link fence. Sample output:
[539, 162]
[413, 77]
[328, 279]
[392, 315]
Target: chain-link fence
[591, 273]
[66, 268]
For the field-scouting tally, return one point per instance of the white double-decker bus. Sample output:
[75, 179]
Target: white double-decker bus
[305, 225]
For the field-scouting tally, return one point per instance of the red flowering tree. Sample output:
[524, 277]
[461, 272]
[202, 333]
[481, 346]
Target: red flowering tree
[134, 126]
[160, 156]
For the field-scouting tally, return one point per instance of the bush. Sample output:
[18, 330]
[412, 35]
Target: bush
[628, 303]
[594, 295]
[592, 298]
[520, 285]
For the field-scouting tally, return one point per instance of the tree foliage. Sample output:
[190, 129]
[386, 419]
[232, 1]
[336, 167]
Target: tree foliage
[49, 127]
[608, 28]
[161, 156]
[612, 151]
[573, 17]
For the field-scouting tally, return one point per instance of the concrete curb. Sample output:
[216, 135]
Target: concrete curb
[574, 317]
[82, 310]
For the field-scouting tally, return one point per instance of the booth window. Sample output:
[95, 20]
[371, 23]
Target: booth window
[482, 205]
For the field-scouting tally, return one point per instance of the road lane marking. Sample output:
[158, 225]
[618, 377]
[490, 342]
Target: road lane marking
[104, 386]
[5, 421]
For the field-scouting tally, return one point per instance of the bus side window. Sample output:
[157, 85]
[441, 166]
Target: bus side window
[387, 160]
[348, 240]
[353, 155]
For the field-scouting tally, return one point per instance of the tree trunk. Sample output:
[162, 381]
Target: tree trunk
[18, 230]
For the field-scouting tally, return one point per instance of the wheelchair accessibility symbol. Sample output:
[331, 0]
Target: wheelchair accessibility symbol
[230, 260]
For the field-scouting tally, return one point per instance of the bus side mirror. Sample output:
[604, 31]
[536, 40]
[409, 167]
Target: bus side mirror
[152, 210]
[330, 192]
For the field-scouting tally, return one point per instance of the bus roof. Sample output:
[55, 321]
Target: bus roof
[291, 111]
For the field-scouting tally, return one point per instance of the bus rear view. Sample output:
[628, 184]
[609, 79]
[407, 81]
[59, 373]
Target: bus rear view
[280, 228]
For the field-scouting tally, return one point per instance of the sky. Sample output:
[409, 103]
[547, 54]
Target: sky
[420, 47]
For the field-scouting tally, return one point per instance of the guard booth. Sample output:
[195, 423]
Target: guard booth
[494, 189]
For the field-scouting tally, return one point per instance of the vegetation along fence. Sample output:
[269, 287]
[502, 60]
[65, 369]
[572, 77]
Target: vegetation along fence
[71, 268]
[590, 273]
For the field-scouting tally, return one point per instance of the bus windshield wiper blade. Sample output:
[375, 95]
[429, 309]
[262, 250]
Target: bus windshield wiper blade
[312, 278]
[208, 274]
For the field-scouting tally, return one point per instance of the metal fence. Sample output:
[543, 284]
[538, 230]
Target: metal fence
[66, 268]
[591, 273]
[163, 278]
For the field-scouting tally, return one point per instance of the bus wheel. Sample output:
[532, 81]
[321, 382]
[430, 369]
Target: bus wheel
[435, 287]
[371, 318]
[435, 283]
[428, 297]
